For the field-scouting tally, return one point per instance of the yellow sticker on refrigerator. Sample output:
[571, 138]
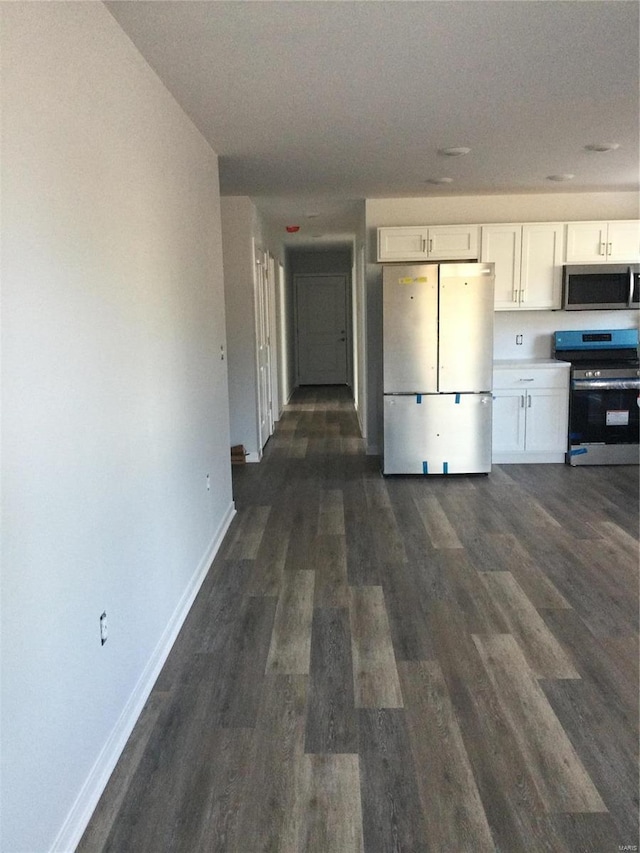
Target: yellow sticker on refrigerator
[422, 279]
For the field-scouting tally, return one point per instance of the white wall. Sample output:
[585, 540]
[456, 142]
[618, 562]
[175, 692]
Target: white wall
[114, 401]
[444, 210]
[537, 328]
[535, 207]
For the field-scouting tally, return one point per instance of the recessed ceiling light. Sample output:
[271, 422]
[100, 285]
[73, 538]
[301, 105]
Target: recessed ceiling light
[601, 147]
[565, 177]
[454, 152]
[439, 180]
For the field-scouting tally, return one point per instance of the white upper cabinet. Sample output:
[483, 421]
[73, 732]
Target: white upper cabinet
[528, 264]
[453, 242]
[603, 242]
[502, 246]
[421, 243]
[403, 244]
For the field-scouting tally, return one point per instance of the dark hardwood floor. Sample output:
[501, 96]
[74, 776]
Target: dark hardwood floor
[399, 664]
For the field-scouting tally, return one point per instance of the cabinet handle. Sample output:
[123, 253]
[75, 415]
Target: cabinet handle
[522, 295]
[515, 295]
[430, 246]
[528, 380]
[529, 401]
[603, 249]
[522, 401]
[609, 249]
[424, 244]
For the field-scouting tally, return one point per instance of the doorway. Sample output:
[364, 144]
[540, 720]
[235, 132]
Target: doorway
[322, 329]
[263, 346]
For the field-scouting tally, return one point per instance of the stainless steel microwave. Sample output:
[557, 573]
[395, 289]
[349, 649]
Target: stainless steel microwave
[601, 286]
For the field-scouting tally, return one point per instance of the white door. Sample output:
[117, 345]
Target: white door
[508, 421]
[623, 243]
[541, 274]
[265, 422]
[586, 242]
[546, 421]
[273, 339]
[502, 246]
[322, 331]
[403, 244]
[453, 242]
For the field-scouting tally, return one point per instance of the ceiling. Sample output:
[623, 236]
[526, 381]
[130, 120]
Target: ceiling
[314, 106]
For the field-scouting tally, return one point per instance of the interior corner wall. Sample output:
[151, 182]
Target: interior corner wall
[238, 252]
[360, 321]
[244, 229]
[114, 402]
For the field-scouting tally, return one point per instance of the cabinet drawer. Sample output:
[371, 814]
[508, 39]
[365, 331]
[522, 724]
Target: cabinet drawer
[532, 377]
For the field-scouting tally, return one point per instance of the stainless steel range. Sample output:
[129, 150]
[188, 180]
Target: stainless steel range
[604, 395]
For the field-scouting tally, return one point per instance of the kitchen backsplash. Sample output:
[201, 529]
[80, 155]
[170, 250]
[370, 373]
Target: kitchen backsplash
[535, 329]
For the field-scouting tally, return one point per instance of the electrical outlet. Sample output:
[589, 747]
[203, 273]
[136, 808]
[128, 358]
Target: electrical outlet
[103, 628]
[519, 339]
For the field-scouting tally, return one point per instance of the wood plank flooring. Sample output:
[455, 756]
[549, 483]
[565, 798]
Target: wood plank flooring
[400, 664]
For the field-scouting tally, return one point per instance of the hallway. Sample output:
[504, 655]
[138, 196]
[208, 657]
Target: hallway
[399, 664]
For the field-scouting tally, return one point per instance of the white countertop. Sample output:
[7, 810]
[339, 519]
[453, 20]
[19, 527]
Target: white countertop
[516, 363]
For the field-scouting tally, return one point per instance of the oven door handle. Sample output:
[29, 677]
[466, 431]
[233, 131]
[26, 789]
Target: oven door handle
[630, 287]
[630, 384]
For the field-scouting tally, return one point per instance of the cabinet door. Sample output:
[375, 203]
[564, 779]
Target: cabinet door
[546, 420]
[402, 244]
[508, 421]
[541, 268]
[502, 246]
[453, 242]
[623, 241]
[586, 242]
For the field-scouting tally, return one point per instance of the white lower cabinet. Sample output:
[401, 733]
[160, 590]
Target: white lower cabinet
[530, 411]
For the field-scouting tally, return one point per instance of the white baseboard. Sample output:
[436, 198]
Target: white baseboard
[76, 822]
[253, 457]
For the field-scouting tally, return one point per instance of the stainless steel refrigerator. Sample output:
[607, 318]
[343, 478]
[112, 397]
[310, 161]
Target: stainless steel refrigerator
[438, 367]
